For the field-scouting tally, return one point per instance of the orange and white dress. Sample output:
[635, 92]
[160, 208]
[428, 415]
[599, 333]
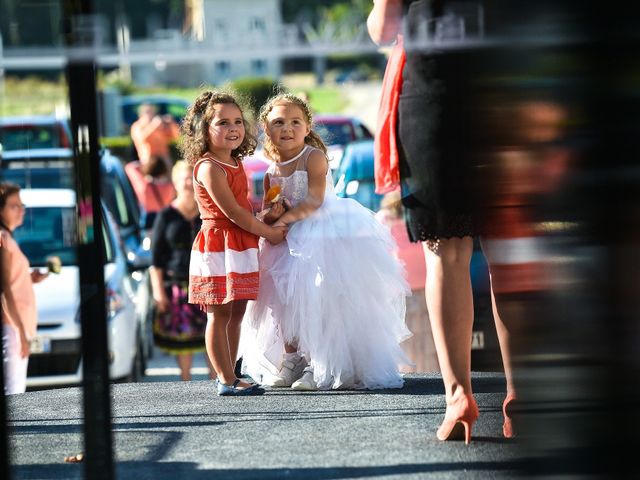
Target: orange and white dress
[224, 257]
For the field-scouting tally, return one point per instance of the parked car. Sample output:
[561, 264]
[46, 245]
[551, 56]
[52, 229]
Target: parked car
[53, 168]
[337, 131]
[34, 132]
[49, 229]
[355, 179]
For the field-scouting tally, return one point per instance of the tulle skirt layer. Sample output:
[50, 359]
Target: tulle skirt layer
[334, 289]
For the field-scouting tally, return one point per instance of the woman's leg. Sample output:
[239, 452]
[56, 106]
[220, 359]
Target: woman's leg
[504, 339]
[15, 367]
[185, 360]
[450, 306]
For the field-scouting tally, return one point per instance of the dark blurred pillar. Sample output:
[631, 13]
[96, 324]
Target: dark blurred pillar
[81, 37]
[611, 193]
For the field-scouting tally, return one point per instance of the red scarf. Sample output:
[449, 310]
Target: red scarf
[387, 171]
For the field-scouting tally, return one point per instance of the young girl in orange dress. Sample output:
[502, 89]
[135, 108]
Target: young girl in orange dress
[223, 269]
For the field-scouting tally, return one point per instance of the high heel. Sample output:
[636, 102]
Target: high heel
[459, 419]
[507, 426]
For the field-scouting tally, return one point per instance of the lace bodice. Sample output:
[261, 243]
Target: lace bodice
[296, 185]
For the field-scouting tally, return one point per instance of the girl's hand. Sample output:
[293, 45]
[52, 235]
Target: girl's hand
[37, 276]
[277, 235]
[280, 224]
[274, 213]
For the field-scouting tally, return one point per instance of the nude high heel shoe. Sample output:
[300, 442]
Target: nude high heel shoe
[507, 426]
[459, 418]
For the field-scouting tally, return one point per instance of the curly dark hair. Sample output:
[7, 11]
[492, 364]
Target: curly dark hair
[194, 141]
[284, 98]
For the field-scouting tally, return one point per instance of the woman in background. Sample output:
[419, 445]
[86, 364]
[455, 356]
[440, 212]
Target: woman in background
[179, 326]
[19, 314]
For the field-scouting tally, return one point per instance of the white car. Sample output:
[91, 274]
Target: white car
[49, 229]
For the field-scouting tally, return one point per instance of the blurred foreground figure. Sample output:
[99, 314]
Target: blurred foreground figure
[544, 113]
[558, 186]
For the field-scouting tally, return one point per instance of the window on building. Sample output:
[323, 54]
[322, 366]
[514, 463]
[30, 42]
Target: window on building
[221, 30]
[257, 25]
[258, 67]
[223, 68]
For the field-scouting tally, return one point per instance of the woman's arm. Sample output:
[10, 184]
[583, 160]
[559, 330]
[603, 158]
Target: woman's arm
[156, 275]
[317, 166]
[159, 253]
[214, 180]
[384, 21]
[141, 133]
[5, 259]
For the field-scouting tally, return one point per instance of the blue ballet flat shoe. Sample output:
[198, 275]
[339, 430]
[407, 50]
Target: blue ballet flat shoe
[225, 390]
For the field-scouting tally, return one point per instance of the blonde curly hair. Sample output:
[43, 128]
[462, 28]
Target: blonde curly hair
[194, 139]
[312, 139]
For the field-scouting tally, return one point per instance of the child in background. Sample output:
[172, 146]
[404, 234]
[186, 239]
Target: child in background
[330, 312]
[223, 269]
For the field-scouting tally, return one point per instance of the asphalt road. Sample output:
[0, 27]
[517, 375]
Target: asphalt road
[169, 430]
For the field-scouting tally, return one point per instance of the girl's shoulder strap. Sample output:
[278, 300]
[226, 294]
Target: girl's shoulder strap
[302, 163]
[202, 160]
[271, 168]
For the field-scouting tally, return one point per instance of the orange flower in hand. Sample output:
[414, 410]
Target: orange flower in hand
[273, 194]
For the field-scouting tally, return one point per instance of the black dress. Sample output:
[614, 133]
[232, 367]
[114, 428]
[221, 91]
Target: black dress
[181, 329]
[436, 129]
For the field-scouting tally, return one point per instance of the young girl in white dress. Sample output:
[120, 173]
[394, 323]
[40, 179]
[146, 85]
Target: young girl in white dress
[331, 306]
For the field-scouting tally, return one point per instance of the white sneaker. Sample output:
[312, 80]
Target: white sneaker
[306, 382]
[290, 371]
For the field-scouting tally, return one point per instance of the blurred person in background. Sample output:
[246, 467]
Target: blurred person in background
[19, 314]
[152, 134]
[179, 326]
[152, 184]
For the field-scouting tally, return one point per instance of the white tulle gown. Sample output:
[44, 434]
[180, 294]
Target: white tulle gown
[334, 289]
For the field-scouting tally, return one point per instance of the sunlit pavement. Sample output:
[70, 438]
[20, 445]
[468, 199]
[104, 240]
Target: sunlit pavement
[184, 430]
[162, 367]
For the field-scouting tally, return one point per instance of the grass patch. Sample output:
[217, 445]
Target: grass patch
[327, 100]
[33, 96]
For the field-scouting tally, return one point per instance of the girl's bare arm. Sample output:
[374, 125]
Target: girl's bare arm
[317, 166]
[214, 180]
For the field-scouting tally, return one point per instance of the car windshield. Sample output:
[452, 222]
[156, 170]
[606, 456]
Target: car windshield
[334, 133]
[24, 137]
[39, 177]
[48, 231]
[130, 110]
[357, 163]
